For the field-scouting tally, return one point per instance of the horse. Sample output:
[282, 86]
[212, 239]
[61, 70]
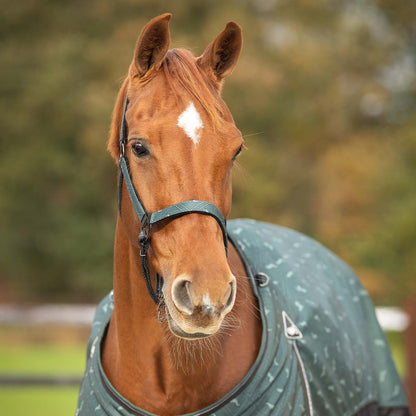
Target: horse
[205, 317]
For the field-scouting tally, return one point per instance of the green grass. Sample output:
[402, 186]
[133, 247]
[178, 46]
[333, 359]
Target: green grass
[396, 343]
[23, 401]
[39, 359]
[42, 359]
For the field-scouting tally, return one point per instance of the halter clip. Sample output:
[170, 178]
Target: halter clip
[144, 236]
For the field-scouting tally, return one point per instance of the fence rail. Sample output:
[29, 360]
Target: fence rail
[54, 314]
[39, 381]
[390, 318]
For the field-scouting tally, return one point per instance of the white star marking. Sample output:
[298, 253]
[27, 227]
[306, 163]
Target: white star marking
[191, 123]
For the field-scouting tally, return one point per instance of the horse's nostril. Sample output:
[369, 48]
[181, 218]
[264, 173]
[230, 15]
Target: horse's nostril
[231, 298]
[181, 296]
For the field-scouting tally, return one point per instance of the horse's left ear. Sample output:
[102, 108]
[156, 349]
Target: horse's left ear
[152, 46]
[221, 56]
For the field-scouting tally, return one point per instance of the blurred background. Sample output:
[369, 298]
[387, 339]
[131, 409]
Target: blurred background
[324, 94]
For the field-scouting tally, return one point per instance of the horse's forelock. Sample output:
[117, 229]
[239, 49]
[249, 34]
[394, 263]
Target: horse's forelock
[183, 73]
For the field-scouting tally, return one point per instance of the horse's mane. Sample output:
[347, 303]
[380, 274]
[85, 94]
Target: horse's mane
[182, 73]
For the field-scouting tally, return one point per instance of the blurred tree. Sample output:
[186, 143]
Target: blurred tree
[324, 95]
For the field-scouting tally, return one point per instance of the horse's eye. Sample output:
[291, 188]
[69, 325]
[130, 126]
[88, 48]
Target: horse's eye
[139, 149]
[238, 152]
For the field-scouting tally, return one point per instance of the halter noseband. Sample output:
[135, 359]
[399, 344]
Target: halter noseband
[147, 220]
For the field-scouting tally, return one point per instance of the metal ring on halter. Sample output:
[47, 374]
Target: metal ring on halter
[262, 278]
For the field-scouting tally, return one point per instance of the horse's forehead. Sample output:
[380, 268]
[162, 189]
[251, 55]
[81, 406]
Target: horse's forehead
[183, 116]
[187, 116]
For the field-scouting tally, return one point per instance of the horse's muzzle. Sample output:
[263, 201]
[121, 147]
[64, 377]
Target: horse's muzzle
[192, 314]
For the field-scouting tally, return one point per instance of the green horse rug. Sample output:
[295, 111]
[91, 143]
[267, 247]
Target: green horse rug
[322, 351]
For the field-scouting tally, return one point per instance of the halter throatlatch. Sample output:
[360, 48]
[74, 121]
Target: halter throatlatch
[147, 220]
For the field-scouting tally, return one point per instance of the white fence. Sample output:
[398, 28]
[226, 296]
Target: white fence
[390, 318]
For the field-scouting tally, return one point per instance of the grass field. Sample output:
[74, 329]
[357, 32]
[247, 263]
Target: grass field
[397, 348]
[40, 401]
[41, 352]
[52, 357]
[42, 359]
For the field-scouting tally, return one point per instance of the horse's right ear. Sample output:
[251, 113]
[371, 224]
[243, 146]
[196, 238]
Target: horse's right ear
[114, 140]
[152, 45]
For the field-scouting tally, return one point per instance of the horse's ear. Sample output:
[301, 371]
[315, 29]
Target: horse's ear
[152, 45]
[221, 56]
[114, 140]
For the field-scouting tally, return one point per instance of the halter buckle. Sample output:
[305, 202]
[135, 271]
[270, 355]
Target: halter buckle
[144, 243]
[122, 148]
[144, 236]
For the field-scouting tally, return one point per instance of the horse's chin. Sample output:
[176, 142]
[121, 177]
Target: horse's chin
[196, 334]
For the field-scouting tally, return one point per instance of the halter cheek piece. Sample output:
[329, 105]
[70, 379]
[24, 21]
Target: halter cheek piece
[147, 220]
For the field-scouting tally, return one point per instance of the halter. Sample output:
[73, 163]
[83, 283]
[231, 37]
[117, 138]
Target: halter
[147, 220]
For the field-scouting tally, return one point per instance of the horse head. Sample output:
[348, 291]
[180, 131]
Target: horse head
[181, 143]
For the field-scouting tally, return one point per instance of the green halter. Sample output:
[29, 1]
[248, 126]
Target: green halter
[169, 213]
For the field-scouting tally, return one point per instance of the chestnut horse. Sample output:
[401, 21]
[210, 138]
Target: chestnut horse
[194, 325]
[181, 145]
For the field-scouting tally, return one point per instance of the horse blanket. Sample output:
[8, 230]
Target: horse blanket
[322, 351]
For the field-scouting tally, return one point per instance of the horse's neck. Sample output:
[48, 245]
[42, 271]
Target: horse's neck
[159, 372]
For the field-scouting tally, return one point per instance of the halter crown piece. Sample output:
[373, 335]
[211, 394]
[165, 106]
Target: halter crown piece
[147, 220]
